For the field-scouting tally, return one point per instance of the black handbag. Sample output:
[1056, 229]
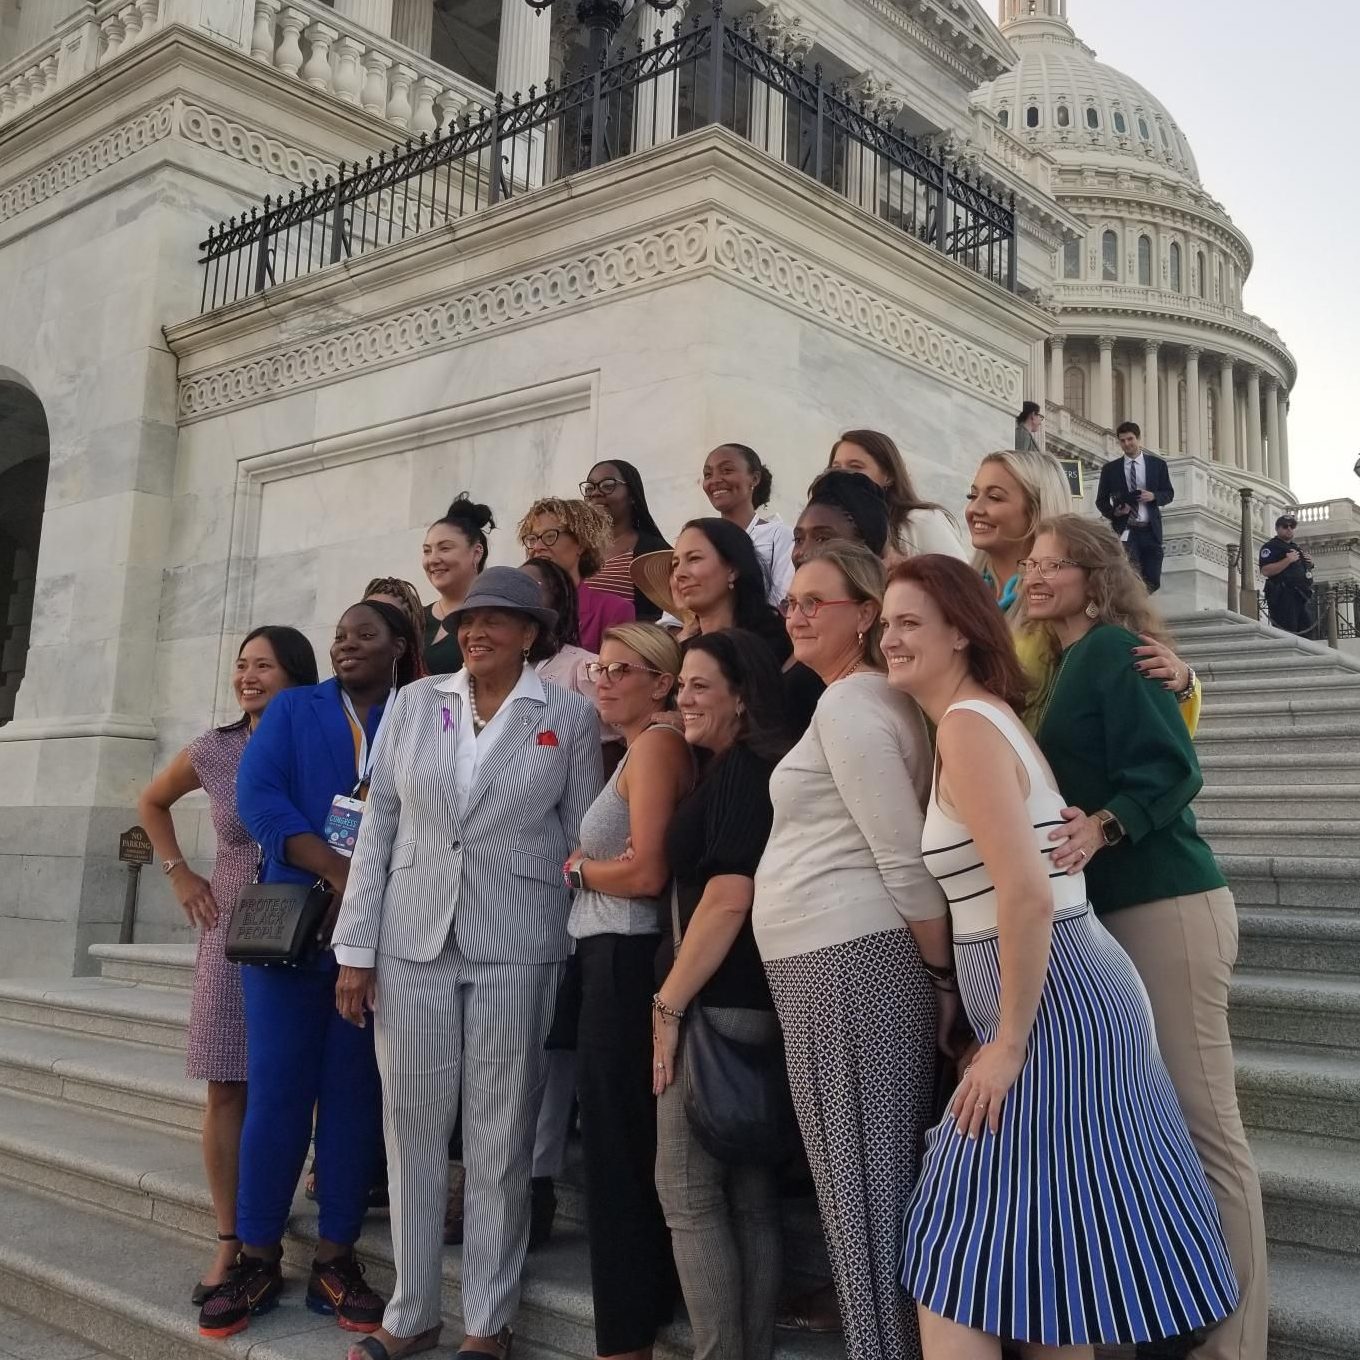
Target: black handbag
[736, 1092]
[279, 923]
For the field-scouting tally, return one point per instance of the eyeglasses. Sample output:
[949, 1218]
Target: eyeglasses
[547, 538]
[809, 609]
[1048, 567]
[605, 486]
[615, 670]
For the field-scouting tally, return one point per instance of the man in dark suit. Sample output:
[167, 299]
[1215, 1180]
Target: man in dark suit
[1132, 491]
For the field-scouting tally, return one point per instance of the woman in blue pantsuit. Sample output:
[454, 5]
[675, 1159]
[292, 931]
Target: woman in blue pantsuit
[311, 745]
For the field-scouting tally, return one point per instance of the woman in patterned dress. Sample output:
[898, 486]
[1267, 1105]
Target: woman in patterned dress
[271, 659]
[1061, 1203]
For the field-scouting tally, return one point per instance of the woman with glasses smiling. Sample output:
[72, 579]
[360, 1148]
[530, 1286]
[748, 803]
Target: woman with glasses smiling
[616, 487]
[576, 535]
[619, 872]
[854, 936]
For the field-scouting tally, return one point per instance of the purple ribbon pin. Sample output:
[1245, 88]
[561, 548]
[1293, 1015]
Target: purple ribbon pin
[448, 720]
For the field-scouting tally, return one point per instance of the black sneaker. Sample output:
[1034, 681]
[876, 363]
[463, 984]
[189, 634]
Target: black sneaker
[252, 1287]
[542, 1211]
[339, 1287]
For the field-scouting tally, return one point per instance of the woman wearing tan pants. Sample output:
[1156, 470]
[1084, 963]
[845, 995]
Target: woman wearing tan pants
[1121, 754]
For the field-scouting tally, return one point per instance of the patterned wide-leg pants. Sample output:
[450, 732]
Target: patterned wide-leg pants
[859, 1038]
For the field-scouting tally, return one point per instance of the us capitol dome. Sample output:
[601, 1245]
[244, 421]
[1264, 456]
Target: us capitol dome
[1150, 318]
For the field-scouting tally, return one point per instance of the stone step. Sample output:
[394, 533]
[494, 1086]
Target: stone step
[1327, 837]
[134, 1011]
[1279, 644]
[1311, 684]
[1311, 1193]
[1290, 881]
[1285, 1090]
[1281, 803]
[1315, 1307]
[161, 965]
[1315, 1010]
[152, 1180]
[1284, 710]
[127, 1079]
[1292, 939]
[1224, 767]
[1274, 745]
[1265, 665]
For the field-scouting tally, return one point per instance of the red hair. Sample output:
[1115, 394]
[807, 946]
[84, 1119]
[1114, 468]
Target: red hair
[968, 606]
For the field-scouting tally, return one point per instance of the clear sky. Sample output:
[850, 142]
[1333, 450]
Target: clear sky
[1268, 95]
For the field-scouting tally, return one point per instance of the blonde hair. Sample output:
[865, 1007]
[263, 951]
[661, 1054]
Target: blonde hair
[865, 579]
[1114, 588]
[654, 645]
[589, 525]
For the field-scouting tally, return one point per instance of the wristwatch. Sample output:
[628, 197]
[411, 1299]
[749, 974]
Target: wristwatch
[1110, 830]
[168, 866]
[574, 879]
[1181, 695]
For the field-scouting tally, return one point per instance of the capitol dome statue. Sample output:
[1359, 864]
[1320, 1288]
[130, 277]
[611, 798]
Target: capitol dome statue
[1150, 318]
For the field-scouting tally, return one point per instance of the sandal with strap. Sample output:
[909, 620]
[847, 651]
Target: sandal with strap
[370, 1348]
[504, 1340]
[203, 1292]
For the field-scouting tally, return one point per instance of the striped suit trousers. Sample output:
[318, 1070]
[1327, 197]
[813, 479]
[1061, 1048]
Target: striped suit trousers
[442, 1026]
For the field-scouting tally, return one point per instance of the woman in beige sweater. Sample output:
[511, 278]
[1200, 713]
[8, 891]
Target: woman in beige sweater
[854, 937]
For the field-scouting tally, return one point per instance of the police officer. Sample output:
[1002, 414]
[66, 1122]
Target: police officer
[1289, 579]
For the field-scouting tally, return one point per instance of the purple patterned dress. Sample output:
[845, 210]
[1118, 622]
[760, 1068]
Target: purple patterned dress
[217, 1018]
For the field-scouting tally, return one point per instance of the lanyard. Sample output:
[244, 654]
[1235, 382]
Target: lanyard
[364, 761]
[1008, 592]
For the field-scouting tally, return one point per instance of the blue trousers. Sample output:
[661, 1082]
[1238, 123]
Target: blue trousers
[302, 1057]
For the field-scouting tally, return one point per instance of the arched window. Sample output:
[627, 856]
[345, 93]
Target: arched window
[1218, 280]
[1121, 406]
[1120, 126]
[1092, 117]
[1143, 130]
[1211, 410]
[1182, 413]
[1032, 116]
[1064, 115]
[1175, 267]
[1144, 262]
[1072, 258]
[1166, 145]
[1200, 271]
[1003, 116]
[1074, 390]
[1109, 257]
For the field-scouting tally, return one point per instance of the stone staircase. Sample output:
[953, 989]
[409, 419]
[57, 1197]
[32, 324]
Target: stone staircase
[105, 1217]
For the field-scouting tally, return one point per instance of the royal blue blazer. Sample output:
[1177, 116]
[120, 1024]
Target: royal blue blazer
[298, 758]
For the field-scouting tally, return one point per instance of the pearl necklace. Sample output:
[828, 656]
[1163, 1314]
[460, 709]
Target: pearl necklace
[478, 722]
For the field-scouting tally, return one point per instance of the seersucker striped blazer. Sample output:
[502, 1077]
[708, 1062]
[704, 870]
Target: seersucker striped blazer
[493, 877]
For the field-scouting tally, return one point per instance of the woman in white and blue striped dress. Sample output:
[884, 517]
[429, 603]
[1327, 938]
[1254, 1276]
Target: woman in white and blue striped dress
[1061, 1203]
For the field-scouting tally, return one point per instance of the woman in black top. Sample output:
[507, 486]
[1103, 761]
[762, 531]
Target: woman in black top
[453, 556]
[616, 487]
[723, 1217]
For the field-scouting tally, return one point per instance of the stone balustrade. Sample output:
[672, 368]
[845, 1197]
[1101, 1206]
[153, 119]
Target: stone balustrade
[92, 37]
[309, 42]
[1158, 298]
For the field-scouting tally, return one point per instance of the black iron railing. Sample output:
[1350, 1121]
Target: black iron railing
[708, 72]
[1336, 605]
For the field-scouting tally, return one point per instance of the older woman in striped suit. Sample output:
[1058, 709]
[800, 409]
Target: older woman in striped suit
[453, 932]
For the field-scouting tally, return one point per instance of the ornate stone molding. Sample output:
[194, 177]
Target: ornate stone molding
[204, 127]
[153, 125]
[706, 243]
[1193, 545]
[866, 315]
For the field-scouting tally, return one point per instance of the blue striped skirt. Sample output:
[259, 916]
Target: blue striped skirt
[1087, 1217]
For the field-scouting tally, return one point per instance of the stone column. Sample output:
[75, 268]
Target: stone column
[1273, 468]
[1193, 413]
[654, 102]
[522, 57]
[1057, 370]
[413, 24]
[1284, 436]
[38, 21]
[374, 15]
[1105, 387]
[1227, 413]
[1255, 462]
[1152, 422]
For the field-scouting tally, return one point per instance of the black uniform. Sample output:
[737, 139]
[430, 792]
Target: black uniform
[1289, 594]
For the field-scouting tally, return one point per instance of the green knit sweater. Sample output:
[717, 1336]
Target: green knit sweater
[1117, 741]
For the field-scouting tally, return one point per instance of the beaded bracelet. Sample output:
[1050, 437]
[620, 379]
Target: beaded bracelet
[660, 1007]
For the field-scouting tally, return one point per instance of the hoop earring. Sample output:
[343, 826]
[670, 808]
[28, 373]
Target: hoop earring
[394, 672]
[1091, 611]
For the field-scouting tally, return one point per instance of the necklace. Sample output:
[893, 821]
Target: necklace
[478, 722]
[859, 664]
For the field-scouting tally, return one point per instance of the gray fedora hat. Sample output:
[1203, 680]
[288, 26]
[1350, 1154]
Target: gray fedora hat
[507, 588]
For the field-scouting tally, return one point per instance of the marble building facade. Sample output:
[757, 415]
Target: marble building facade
[211, 470]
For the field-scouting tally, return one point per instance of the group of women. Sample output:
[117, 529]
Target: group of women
[923, 821]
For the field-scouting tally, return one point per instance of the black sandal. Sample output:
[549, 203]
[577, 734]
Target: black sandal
[202, 1291]
[370, 1348]
[505, 1339]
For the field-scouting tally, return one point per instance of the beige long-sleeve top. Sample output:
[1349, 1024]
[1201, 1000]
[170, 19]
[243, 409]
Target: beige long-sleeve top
[844, 856]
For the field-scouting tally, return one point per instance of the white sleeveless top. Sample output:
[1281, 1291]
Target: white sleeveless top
[951, 856]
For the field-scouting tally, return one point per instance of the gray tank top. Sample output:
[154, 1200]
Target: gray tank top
[604, 835]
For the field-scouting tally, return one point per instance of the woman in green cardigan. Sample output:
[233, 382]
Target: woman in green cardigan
[1121, 754]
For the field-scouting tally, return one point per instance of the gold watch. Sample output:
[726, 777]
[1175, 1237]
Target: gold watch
[1111, 832]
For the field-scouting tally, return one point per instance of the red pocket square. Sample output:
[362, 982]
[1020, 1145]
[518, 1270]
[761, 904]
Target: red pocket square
[548, 738]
